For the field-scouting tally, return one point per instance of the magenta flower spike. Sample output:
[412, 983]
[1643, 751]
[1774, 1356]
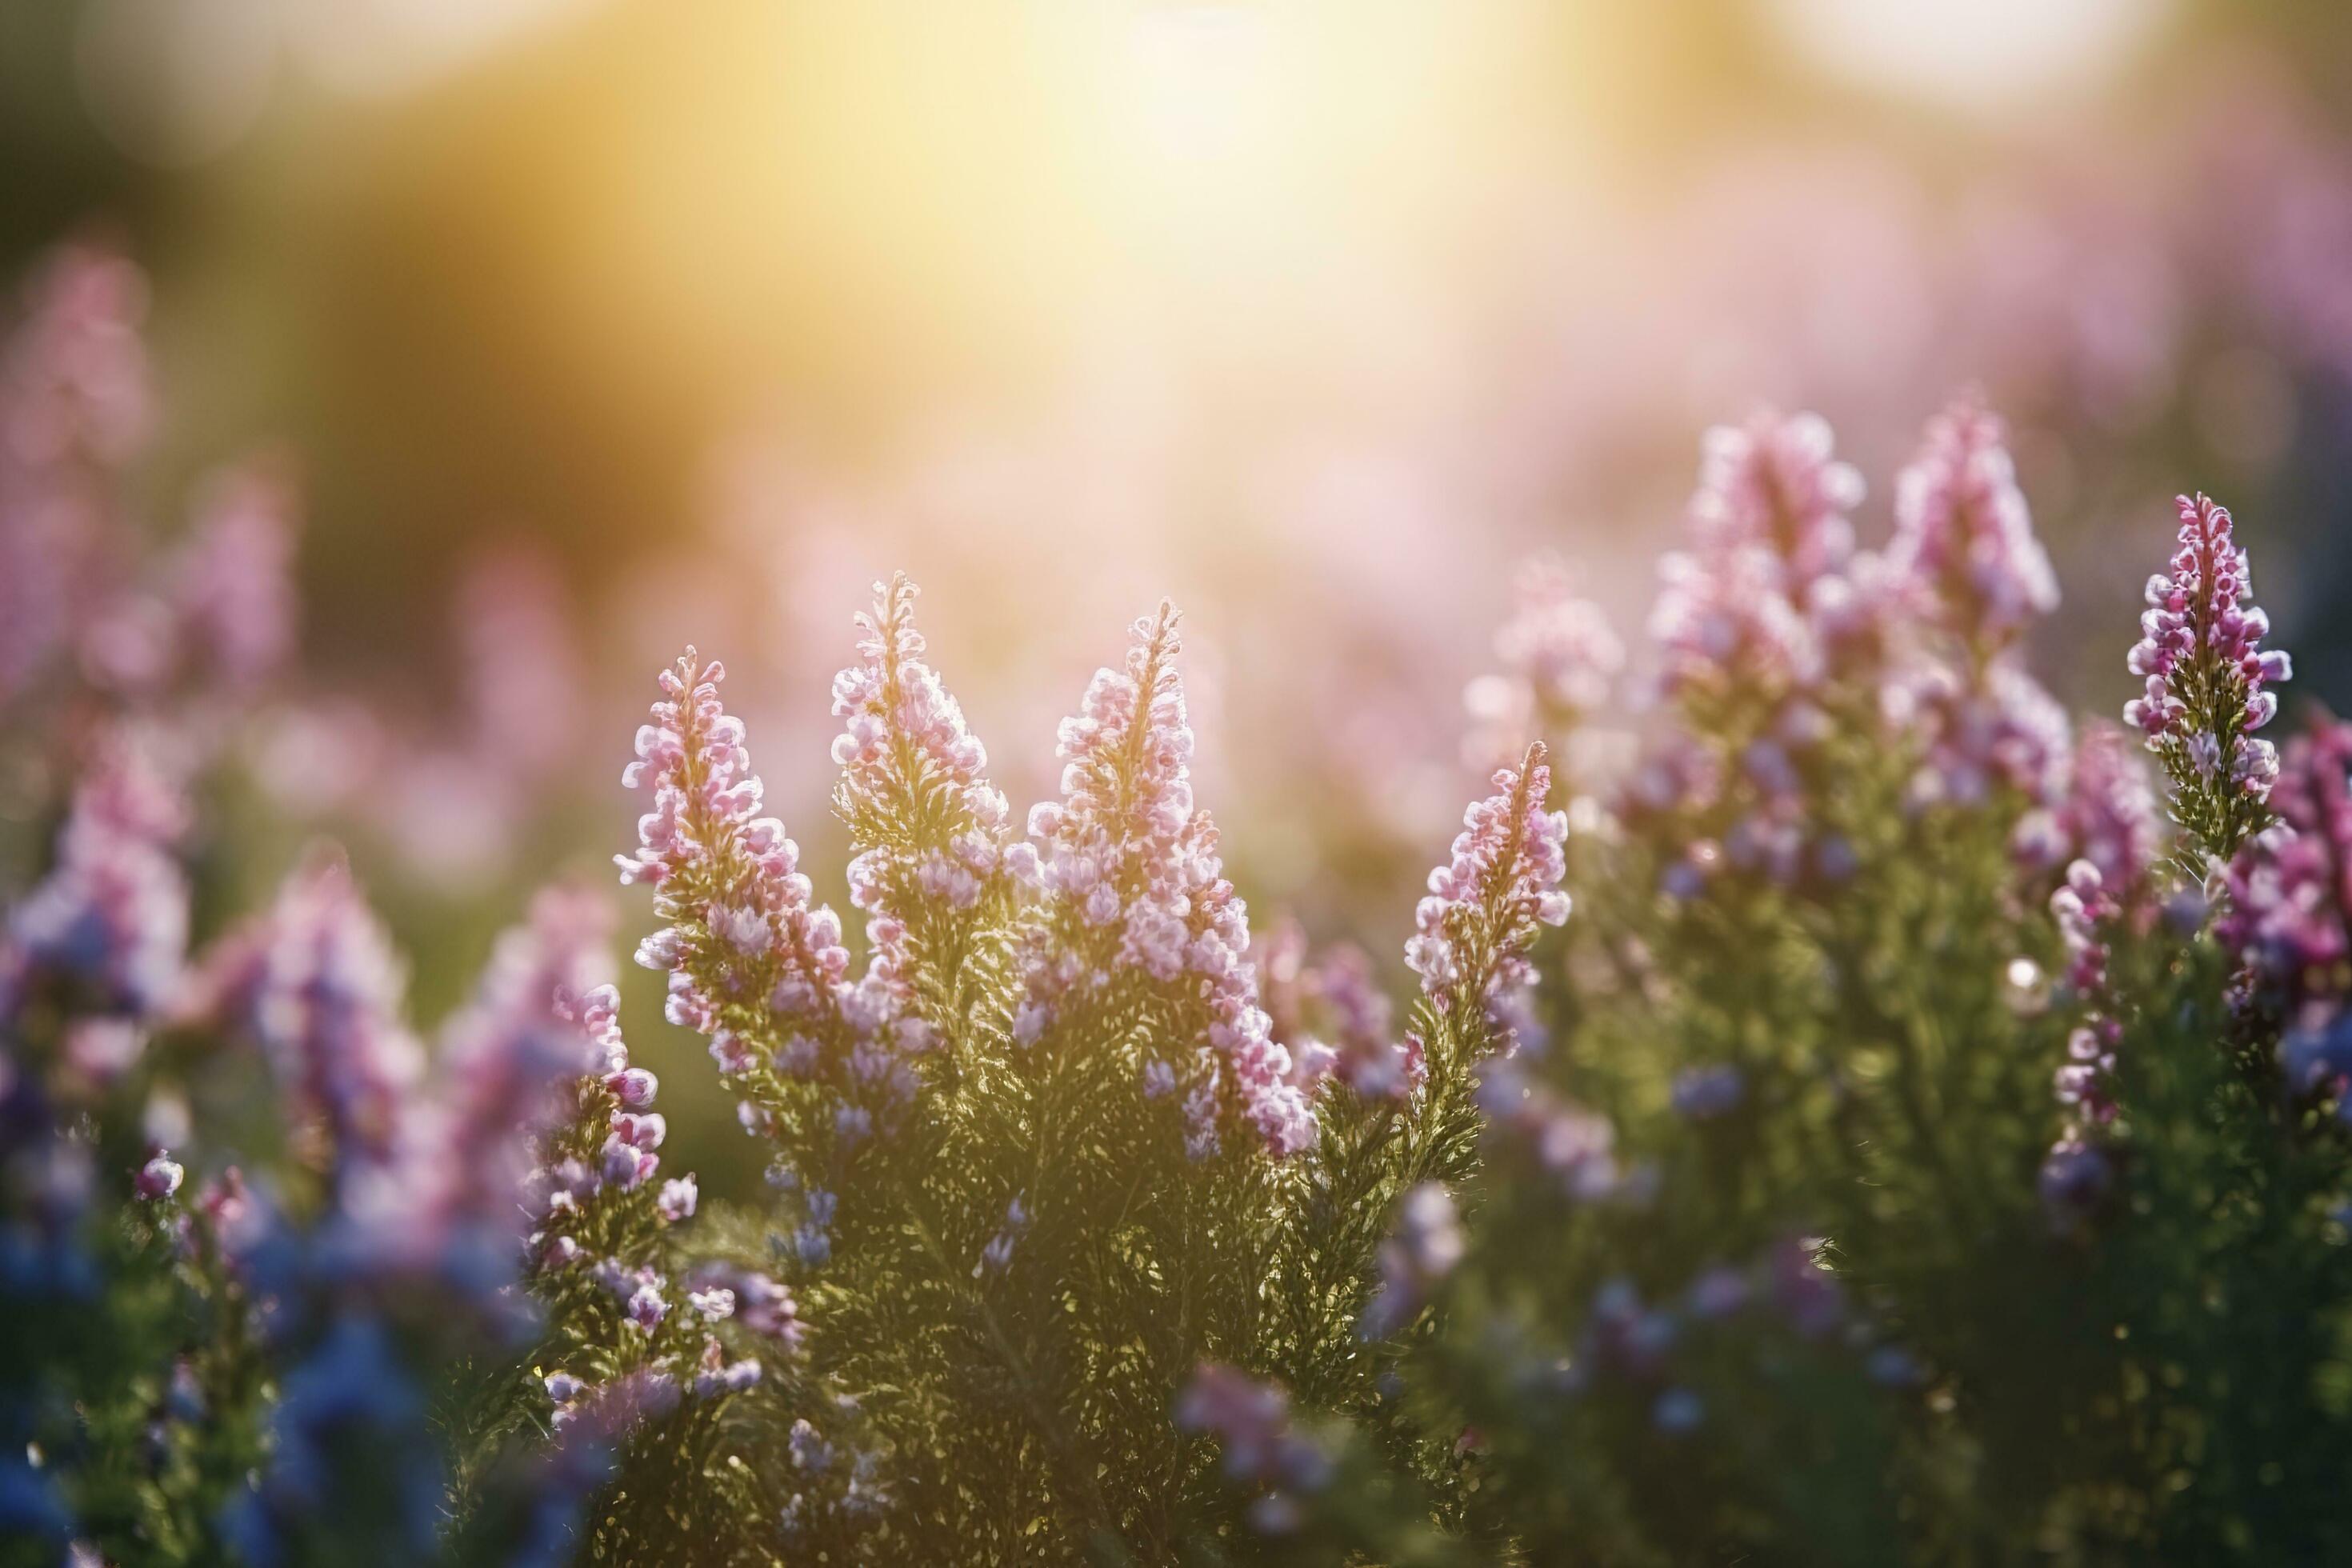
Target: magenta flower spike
[2209, 681]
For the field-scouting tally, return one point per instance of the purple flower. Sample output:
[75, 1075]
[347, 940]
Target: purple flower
[1964, 546]
[1560, 659]
[1131, 881]
[2289, 911]
[1703, 1093]
[1252, 1420]
[315, 982]
[159, 1178]
[113, 913]
[1476, 926]
[2207, 681]
[2073, 1182]
[647, 1307]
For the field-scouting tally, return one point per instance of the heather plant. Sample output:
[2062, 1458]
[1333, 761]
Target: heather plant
[1766, 1253]
[1913, 1148]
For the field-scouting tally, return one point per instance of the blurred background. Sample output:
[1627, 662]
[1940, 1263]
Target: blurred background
[587, 327]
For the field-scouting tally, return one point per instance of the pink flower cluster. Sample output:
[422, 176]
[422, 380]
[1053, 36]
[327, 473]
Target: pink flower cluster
[1474, 927]
[2288, 916]
[1772, 587]
[76, 577]
[2085, 910]
[2107, 817]
[1334, 1017]
[2207, 681]
[2076, 1173]
[1964, 547]
[74, 402]
[504, 1079]
[1575, 1146]
[1131, 884]
[929, 827]
[1560, 661]
[753, 960]
[315, 983]
[111, 918]
[1996, 727]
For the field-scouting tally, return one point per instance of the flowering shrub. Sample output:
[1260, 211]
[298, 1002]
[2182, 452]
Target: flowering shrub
[1910, 1148]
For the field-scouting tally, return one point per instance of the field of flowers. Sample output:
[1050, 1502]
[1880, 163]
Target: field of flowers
[1808, 1025]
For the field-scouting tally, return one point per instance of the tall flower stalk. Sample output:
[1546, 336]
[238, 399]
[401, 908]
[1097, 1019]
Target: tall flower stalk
[2208, 690]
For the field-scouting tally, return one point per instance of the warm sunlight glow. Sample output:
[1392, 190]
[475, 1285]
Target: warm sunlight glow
[1969, 54]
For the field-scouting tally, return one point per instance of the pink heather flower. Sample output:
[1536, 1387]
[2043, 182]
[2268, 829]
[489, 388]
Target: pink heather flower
[1131, 881]
[2000, 731]
[679, 1198]
[1725, 620]
[75, 404]
[2108, 815]
[506, 1075]
[1560, 659]
[231, 585]
[893, 699]
[1964, 546]
[762, 1306]
[112, 915]
[647, 1307]
[1773, 483]
[2074, 1174]
[513, 621]
[1335, 1008]
[927, 828]
[751, 959]
[315, 983]
[1484, 905]
[74, 378]
[1771, 590]
[2288, 916]
[2085, 909]
[2208, 682]
[603, 1414]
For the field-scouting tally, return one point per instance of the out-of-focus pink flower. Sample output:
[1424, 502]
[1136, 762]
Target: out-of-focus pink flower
[112, 915]
[2108, 816]
[1253, 1421]
[2288, 917]
[315, 982]
[231, 585]
[1999, 730]
[1964, 550]
[1560, 659]
[502, 1079]
[1334, 1008]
